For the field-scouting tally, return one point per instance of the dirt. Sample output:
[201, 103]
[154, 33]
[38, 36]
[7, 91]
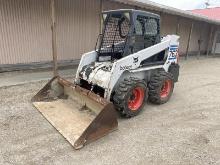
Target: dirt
[186, 130]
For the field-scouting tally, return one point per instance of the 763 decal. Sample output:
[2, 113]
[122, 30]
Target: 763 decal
[173, 52]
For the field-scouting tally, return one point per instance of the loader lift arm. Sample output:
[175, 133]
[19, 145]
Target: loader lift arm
[125, 63]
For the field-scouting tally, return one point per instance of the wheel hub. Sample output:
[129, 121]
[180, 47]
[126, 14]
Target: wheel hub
[166, 88]
[136, 99]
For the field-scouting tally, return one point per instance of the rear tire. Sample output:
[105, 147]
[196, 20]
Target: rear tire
[161, 87]
[130, 96]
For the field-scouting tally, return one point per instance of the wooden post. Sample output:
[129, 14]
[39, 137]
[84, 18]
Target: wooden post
[53, 29]
[215, 48]
[188, 43]
[178, 26]
[101, 21]
[210, 40]
[199, 43]
[215, 42]
[199, 51]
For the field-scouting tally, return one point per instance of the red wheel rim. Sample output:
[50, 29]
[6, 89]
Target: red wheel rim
[136, 99]
[166, 88]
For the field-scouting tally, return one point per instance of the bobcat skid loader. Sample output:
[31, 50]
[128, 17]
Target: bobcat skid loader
[130, 65]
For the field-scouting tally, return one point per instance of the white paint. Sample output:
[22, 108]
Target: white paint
[86, 59]
[108, 78]
[146, 68]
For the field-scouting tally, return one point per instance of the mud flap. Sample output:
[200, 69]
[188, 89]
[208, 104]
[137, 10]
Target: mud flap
[78, 114]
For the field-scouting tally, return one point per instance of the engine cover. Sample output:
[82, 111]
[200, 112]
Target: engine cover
[97, 74]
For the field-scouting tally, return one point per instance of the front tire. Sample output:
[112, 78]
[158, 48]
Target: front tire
[161, 87]
[130, 96]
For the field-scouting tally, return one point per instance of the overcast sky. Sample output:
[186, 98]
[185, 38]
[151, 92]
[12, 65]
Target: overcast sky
[187, 4]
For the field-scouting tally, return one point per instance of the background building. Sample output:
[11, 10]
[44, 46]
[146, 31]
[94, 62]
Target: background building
[25, 29]
[212, 13]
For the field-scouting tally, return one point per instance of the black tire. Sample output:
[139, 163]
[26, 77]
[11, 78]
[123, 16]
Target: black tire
[159, 80]
[131, 93]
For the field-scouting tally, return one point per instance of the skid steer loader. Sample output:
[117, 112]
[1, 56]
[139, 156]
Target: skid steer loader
[131, 64]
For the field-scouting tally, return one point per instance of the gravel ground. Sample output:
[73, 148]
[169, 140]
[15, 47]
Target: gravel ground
[186, 130]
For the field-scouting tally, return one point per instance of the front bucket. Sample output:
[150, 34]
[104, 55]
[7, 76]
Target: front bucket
[78, 114]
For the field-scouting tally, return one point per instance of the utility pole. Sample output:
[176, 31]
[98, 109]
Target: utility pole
[53, 29]
[207, 4]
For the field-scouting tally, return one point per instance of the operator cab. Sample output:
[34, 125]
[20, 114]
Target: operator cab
[125, 32]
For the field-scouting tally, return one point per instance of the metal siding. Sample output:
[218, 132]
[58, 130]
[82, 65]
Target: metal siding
[184, 34]
[110, 5]
[205, 36]
[194, 45]
[199, 27]
[24, 31]
[25, 34]
[168, 24]
[78, 26]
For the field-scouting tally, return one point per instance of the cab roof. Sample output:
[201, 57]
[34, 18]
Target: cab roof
[134, 12]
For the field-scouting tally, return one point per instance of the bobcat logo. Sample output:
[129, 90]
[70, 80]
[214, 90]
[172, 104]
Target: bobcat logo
[126, 67]
[135, 59]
